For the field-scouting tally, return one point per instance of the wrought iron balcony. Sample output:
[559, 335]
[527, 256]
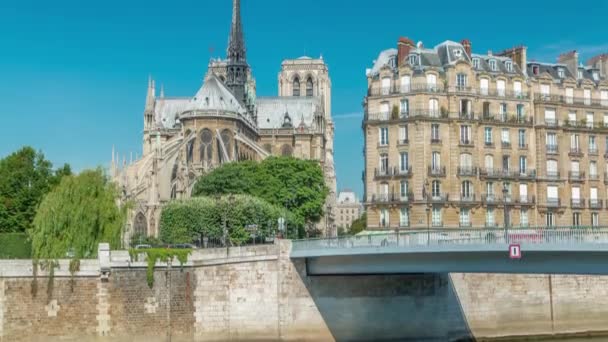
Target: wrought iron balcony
[551, 122]
[383, 173]
[575, 152]
[391, 198]
[498, 173]
[578, 203]
[466, 142]
[593, 150]
[576, 176]
[570, 100]
[436, 141]
[512, 119]
[553, 175]
[466, 116]
[525, 200]
[505, 144]
[522, 146]
[437, 171]
[488, 144]
[399, 172]
[490, 199]
[438, 198]
[594, 177]
[596, 204]
[553, 203]
[406, 89]
[467, 171]
[467, 198]
[552, 149]
[403, 141]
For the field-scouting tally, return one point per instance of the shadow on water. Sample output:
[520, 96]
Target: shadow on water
[412, 307]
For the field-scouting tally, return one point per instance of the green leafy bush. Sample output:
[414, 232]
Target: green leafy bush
[185, 221]
[15, 246]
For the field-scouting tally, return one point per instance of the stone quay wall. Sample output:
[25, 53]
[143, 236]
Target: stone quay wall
[259, 293]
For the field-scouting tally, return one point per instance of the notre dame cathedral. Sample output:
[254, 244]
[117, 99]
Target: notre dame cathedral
[185, 137]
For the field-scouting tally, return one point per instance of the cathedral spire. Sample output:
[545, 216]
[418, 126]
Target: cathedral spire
[236, 45]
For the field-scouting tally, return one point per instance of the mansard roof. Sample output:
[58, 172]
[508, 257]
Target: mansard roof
[271, 111]
[215, 96]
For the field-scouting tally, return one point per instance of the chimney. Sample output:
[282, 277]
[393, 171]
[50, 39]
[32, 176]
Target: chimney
[518, 54]
[570, 59]
[600, 62]
[404, 46]
[467, 46]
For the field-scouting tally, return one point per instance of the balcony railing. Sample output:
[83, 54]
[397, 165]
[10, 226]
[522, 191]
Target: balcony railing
[575, 152]
[466, 116]
[525, 200]
[437, 171]
[552, 148]
[505, 144]
[490, 199]
[553, 175]
[551, 122]
[406, 89]
[467, 171]
[407, 172]
[506, 118]
[498, 173]
[467, 198]
[392, 197]
[594, 176]
[576, 176]
[488, 144]
[553, 203]
[403, 141]
[593, 150]
[466, 142]
[578, 203]
[571, 100]
[522, 146]
[436, 141]
[438, 198]
[596, 204]
[383, 173]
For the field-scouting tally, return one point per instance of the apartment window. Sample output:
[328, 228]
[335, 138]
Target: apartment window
[476, 63]
[486, 109]
[490, 217]
[569, 95]
[550, 116]
[593, 169]
[552, 168]
[575, 168]
[503, 112]
[523, 164]
[521, 138]
[545, 89]
[587, 96]
[436, 188]
[572, 117]
[403, 162]
[574, 142]
[384, 218]
[506, 163]
[405, 108]
[596, 76]
[404, 218]
[436, 217]
[521, 112]
[436, 161]
[593, 196]
[466, 190]
[576, 219]
[523, 193]
[489, 163]
[465, 217]
[384, 191]
[592, 144]
[500, 87]
[576, 195]
[383, 163]
[405, 84]
[435, 132]
[490, 189]
[383, 136]
[523, 218]
[431, 81]
[466, 161]
[403, 187]
[433, 107]
[484, 86]
[505, 136]
[517, 88]
[386, 86]
[595, 219]
[606, 119]
[552, 195]
[561, 73]
[535, 69]
[604, 97]
[403, 133]
[552, 142]
[509, 66]
[413, 60]
[461, 81]
[590, 120]
[465, 134]
[550, 219]
[492, 64]
[488, 135]
[579, 74]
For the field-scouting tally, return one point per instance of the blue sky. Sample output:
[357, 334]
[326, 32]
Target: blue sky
[73, 73]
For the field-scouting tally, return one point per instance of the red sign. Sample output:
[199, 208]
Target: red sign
[515, 252]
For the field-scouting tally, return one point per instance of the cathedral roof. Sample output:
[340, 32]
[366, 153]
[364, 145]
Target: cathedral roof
[301, 110]
[215, 96]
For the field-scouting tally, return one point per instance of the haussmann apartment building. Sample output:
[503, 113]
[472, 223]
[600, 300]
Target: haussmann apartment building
[458, 139]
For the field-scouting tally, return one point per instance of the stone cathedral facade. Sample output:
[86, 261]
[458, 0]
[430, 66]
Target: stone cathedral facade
[223, 122]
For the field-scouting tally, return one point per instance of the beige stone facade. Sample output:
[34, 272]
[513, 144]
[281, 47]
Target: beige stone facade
[225, 121]
[348, 209]
[453, 138]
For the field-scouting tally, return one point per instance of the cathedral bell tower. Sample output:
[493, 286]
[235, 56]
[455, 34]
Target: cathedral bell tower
[237, 67]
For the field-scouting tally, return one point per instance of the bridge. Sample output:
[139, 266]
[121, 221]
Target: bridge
[545, 250]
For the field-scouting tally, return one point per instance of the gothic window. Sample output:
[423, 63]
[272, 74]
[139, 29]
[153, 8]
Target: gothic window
[296, 86]
[190, 151]
[140, 225]
[286, 151]
[174, 173]
[173, 192]
[206, 149]
[309, 87]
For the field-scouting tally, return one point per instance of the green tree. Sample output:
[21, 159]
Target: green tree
[189, 220]
[77, 215]
[25, 177]
[358, 225]
[295, 184]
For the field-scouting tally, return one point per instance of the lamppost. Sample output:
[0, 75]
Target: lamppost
[505, 193]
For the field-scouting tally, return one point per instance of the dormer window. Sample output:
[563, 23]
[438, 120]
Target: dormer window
[413, 60]
[492, 65]
[476, 63]
[458, 53]
[509, 66]
[561, 73]
[580, 74]
[392, 62]
[596, 76]
[535, 69]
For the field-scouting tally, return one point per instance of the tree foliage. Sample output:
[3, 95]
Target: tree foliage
[295, 184]
[358, 225]
[185, 221]
[25, 177]
[77, 215]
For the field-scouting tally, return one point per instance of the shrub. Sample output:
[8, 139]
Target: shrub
[15, 246]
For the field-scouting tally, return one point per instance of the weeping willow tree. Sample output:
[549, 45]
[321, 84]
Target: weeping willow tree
[76, 216]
